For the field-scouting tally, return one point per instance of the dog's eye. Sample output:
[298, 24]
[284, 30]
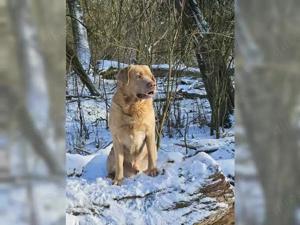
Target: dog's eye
[139, 76]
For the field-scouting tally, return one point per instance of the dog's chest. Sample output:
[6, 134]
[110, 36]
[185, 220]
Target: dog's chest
[135, 141]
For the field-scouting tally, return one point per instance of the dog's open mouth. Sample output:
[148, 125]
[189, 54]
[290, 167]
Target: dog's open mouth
[150, 94]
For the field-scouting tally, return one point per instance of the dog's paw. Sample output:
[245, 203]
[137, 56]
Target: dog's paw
[152, 172]
[117, 182]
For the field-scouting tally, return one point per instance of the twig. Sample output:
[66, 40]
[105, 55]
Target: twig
[202, 150]
[82, 150]
[70, 97]
[139, 196]
[186, 146]
[186, 129]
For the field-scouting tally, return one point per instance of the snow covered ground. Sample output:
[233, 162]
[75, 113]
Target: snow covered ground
[92, 199]
[141, 199]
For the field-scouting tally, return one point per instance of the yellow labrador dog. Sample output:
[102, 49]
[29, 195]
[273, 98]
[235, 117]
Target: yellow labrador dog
[132, 124]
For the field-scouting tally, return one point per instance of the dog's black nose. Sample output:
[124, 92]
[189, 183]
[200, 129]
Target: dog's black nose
[151, 84]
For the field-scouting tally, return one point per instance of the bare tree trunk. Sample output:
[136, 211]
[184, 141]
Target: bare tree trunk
[52, 45]
[73, 60]
[38, 142]
[272, 92]
[276, 178]
[80, 33]
[33, 115]
[215, 74]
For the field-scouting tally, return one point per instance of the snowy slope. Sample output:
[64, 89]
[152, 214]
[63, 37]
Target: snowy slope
[168, 198]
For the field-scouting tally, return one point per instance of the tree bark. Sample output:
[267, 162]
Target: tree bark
[269, 139]
[272, 136]
[33, 114]
[215, 75]
[79, 70]
[80, 34]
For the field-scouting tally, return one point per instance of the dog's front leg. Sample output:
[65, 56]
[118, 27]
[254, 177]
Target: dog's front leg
[119, 160]
[152, 154]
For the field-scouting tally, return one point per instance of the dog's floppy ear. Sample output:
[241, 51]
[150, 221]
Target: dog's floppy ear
[123, 75]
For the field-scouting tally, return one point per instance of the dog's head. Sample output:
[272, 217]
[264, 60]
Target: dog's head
[137, 81]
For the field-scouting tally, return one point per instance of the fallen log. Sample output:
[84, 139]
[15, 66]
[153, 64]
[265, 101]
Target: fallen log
[164, 99]
[220, 189]
[192, 95]
[197, 149]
